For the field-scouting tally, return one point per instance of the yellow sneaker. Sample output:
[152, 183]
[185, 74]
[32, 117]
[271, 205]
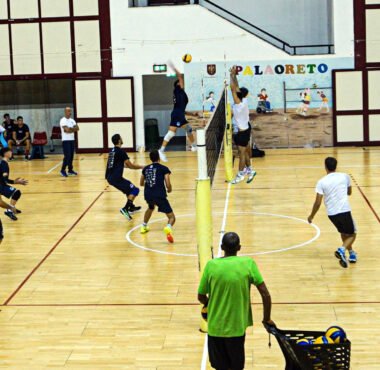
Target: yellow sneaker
[169, 236]
[144, 229]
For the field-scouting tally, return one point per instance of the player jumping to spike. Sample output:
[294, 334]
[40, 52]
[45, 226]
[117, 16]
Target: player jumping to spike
[240, 120]
[178, 119]
[117, 160]
[156, 179]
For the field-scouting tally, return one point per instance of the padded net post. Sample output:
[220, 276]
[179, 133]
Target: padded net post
[228, 153]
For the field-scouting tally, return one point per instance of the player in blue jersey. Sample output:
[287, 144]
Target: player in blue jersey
[156, 179]
[178, 118]
[117, 160]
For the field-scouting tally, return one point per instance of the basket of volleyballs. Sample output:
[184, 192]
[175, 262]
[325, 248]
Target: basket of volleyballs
[187, 58]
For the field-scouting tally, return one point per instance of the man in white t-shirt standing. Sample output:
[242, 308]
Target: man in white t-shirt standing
[335, 188]
[242, 126]
[68, 129]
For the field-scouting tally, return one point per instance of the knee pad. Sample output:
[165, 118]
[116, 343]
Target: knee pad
[16, 195]
[169, 135]
[189, 129]
[135, 191]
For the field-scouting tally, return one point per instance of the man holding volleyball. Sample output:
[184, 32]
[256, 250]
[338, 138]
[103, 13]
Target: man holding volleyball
[178, 119]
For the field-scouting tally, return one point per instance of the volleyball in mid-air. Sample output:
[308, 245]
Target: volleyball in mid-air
[187, 58]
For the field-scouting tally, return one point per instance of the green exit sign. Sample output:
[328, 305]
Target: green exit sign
[159, 68]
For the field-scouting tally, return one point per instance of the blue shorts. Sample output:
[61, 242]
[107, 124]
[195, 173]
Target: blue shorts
[125, 187]
[162, 204]
[7, 191]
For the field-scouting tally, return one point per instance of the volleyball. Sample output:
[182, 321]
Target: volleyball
[187, 58]
[336, 333]
[323, 340]
[204, 313]
[304, 342]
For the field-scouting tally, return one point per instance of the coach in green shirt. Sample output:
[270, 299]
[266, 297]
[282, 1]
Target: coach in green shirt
[225, 289]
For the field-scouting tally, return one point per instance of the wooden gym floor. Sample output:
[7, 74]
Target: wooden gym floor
[75, 293]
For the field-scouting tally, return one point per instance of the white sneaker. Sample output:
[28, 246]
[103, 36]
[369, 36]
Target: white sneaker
[193, 148]
[237, 179]
[162, 156]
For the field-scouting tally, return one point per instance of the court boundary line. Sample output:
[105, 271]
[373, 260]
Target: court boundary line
[51, 250]
[53, 168]
[365, 198]
[177, 304]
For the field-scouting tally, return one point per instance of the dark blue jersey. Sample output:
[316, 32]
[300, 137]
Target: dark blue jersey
[155, 181]
[21, 131]
[115, 164]
[180, 101]
[4, 168]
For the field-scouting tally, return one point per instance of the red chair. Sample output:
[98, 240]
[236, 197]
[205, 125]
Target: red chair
[39, 140]
[55, 135]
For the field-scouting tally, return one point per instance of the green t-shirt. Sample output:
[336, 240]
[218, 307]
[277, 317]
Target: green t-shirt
[227, 281]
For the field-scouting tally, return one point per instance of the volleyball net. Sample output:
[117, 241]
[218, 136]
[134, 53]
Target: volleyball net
[214, 142]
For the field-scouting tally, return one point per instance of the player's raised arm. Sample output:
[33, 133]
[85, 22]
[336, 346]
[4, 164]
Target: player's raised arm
[167, 183]
[234, 84]
[132, 166]
[178, 74]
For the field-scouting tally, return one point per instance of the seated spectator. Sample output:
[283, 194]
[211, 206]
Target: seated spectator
[9, 127]
[21, 136]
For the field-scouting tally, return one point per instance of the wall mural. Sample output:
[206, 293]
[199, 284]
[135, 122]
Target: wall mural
[290, 101]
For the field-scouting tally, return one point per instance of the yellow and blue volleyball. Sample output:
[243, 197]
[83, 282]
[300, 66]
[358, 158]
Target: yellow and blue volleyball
[204, 313]
[336, 333]
[187, 58]
[323, 340]
[304, 342]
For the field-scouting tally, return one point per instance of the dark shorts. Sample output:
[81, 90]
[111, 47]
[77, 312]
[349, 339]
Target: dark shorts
[242, 138]
[124, 186]
[178, 120]
[226, 353]
[1, 231]
[7, 191]
[162, 204]
[344, 223]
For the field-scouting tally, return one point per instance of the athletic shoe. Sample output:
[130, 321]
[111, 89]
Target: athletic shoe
[193, 148]
[340, 254]
[168, 232]
[237, 179]
[27, 158]
[17, 210]
[125, 212]
[11, 159]
[251, 175]
[10, 214]
[132, 209]
[352, 258]
[72, 173]
[63, 174]
[144, 229]
[162, 156]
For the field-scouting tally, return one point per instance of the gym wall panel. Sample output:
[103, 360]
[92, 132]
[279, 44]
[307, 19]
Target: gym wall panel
[374, 89]
[370, 2]
[3, 9]
[56, 40]
[374, 127]
[87, 46]
[90, 135]
[349, 128]
[349, 91]
[125, 129]
[372, 35]
[85, 7]
[5, 61]
[55, 8]
[26, 48]
[88, 99]
[24, 9]
[119, 98]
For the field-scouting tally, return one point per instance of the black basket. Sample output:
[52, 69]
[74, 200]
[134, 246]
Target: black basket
[311, 357]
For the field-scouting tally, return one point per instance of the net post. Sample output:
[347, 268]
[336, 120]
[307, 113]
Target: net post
[228, 154]
[203, 211]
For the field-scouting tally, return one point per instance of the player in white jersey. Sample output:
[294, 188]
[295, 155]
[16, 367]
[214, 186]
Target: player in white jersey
[240, 120]
[335, 188]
